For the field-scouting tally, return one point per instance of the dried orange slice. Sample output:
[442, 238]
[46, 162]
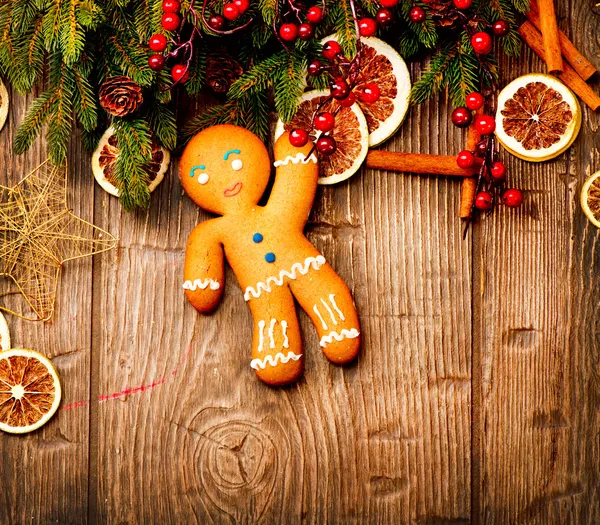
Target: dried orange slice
[380, 63]
[4, 334]
[350, 133]
[590, 199]
[538, 117]
[29, 390]
[4, 102]
[105, 156]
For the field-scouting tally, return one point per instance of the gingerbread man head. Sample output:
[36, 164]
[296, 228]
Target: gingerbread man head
[225, 169]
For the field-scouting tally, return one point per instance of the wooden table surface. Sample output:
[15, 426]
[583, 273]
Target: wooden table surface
[475, 398]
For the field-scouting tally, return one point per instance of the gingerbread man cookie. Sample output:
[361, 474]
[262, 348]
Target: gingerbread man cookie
[225, 170]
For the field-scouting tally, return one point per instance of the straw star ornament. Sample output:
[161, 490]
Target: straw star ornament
[38, 233]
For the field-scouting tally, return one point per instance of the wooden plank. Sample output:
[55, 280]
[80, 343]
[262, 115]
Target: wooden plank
[385, 439]
[44, 475]
[538, 333]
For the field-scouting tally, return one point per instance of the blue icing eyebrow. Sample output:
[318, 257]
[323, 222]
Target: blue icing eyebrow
[230, 152]
[201, 167]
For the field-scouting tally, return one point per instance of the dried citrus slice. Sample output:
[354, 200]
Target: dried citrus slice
[590, 199]
[105, 156]
[538, 117]
[4, 334]
[380, 63]
[3, 104]
[29, 390]
[350, 133]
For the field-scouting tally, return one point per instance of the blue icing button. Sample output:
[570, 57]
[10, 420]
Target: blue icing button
[257, 237]
[270, 257]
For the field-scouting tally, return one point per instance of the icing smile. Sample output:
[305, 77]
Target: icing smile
[234, 190]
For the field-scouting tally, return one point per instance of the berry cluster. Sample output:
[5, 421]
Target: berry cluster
[345, 76]
[480, 40]
[384, 17]
[304, 30]
[492, 173]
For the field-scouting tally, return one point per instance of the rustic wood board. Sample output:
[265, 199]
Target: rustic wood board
[475, 398]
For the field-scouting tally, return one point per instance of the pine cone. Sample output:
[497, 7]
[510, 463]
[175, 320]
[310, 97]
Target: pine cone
[120, 96]
[222, 71]
[443, 12]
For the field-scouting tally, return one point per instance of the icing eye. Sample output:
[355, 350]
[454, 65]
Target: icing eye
[237, 165]
[203, 178]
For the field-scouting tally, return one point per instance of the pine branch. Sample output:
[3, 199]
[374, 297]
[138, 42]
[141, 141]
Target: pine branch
[163, 125]
[289, 85]
[341, 16]
[433, 79]
[32, 124]
[259, 77]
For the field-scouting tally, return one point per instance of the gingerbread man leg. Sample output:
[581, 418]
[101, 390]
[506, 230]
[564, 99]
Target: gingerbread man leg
[326, 299]
[277, 343]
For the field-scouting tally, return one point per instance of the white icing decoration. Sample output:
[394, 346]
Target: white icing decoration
[333, 303]
[237, 165]
[261, 327]
[301, 268]
[274, 361]
[286, 343]
[300, 157]
[203, 178]
[202, 284]
[316, 310]
[330, 312]
[271, 338]
[338, 336]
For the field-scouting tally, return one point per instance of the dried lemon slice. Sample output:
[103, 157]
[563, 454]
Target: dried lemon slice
[4, 102]
[590, 199]
[538, 117]
[351, 135]
[105, 156]
[29, 390]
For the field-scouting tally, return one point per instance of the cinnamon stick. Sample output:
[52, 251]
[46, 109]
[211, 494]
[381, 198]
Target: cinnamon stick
[549, 29]
[534, 40]
[585, 69]
[468, 188]
[422, 163]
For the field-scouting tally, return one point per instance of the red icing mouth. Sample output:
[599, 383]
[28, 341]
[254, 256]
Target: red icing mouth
[234, 190]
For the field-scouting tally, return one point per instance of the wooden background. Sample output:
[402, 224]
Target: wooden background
[476, 397]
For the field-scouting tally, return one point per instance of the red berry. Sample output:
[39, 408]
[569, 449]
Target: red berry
[498, 171]
[384, 17]
[370, 93]
[231, 11]
[485, 125]
[501, 28]
[475, 101]
[462, 117]
[331, 49]
[324, 121]
[465, 159]
[513, 198]
[484, 201]
[481, 148]
[340, 88]
[417, 15]
[179, 73]
[305, 31]
[158, 43]
[156, 62]
[349, 100]
[298, 137]
[217, 22]
[463, 4]
[367, 26]
[314, 14]
[482, 43]
[170, 21]
[242, 5]
[171, 6]
[326, 145]
[315, 68]
[389, 3]
[289, 32]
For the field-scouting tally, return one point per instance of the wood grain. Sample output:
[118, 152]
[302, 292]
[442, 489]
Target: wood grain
[475, 398]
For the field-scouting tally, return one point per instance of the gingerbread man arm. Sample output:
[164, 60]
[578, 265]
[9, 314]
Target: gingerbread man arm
[204, 270]
[295, 181]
